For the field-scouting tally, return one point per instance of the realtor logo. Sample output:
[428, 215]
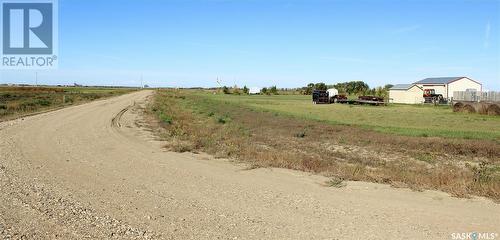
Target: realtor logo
[29, 34]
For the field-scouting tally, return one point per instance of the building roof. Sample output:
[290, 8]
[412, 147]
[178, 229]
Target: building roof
[402, 86]
[438, 80]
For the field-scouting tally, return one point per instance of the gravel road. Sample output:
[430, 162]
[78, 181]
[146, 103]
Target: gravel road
[95, 172]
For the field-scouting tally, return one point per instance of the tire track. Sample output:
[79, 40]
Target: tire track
[115, 121]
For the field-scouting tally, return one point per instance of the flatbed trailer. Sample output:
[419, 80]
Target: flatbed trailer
[332, 96]
[364, 100]
[361, 102]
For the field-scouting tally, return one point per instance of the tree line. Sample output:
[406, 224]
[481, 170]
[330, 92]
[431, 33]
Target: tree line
[349, 88]
[358, 88]
[273, 90]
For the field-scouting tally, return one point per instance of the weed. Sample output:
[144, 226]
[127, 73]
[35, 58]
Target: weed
[425, 157]
[222, 120]
[301, 134]
[44, 102]
[336, 182]
[165, 118]
[252, 166]
[482, 173]
[183, 147]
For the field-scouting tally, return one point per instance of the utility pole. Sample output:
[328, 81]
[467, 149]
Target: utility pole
[219, 82]
[36, 79]
[142, 84]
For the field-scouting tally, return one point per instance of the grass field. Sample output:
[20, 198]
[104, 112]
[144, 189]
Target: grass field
[408, 120]
[290, 132]
[19, 101]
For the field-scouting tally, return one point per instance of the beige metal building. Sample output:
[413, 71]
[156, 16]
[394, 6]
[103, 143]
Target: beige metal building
[413, 93]
[447, 85]
[406, 93]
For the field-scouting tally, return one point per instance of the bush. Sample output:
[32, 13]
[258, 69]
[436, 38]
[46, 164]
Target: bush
[6, 95]
[494, 109]
[273, 90]
[92, 96]
[236, 91]
[165, 118]
[221, 120]
[301, 134]
[264, 91]
[43, 102]
[27, 106]
[69, 100]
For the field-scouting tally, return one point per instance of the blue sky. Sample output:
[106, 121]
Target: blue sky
[263, 43]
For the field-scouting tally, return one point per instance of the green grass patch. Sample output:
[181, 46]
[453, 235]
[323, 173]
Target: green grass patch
[406, 120]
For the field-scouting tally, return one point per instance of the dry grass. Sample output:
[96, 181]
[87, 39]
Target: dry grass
[19, 101]
[264, 139]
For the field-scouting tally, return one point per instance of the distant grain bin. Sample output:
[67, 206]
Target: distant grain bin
[445, 86]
